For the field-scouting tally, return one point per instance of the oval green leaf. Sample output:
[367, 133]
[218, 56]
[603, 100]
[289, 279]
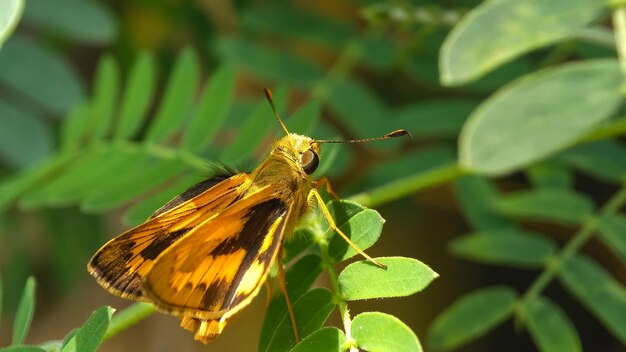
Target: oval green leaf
[525, 121]
[613, 232]
[363, 226]
[597, 290]
[559, 205]
[515, 248]
[328, 339]
[477, 196]
[24, 314]
[550, 328]
[10, 14]
[403, 277]
[104, 101]
[498, 31]
[380, 332]
[605, 159]
[90, 335]
[311, 311]
[472, 316]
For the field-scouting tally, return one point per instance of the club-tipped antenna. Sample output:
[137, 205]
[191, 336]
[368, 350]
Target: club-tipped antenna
[268, 95]
[396, 133]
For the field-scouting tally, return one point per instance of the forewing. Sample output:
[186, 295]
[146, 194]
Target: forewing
[120, 264]
[219, 266]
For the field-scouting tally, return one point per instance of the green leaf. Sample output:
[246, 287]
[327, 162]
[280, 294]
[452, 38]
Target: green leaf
[304, 119]
[178, 96]
[363, 226]
[550, 175]
[380, 332]
[329, 339]
[477, 196]
[86, 21]
[74, 127]
[550, 328]
[136, 181]
[211, 110]
[603, 159]
[256, 128]
[22, 349]
[24, 314]
[300, 276]
[523, 122]
[69, 341]
[311, 311]
[612, 230]
[472, 316]
[434, 118]
[597, 290]
[403, 277]
[10, 14]
[498, 31]
[143, 209]
[1, 297]
[40, 74]
[267, 62]
[24, 139]
[546, 204]
[90, 335]
[104, 101]
[137, 96]
[514, 247]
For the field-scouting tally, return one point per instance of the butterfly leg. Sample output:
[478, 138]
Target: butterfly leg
[283, 286]
[324, 182]
[331, 222]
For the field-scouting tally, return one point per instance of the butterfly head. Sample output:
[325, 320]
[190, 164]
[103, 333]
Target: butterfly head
[305, 150]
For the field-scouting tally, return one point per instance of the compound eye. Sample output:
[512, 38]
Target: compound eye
[309, 160]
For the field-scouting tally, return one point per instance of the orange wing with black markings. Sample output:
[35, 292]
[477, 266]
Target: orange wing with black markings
[122, 263]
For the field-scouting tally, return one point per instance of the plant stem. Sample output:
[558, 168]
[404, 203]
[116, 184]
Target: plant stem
[407, 185]
[128, 317]
[587, 231]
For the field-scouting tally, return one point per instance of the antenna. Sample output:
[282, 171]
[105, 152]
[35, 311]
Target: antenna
[396, 133]
[268, 95]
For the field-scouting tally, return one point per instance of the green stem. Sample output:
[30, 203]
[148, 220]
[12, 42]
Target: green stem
[128, 317]
[407, 185]
[587, 231]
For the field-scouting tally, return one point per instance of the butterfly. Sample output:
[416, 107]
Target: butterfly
[205, 254]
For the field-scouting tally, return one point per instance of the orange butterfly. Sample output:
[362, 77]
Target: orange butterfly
[204, 255]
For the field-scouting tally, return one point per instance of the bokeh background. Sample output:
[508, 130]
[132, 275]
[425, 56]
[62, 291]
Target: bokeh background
[372, 66]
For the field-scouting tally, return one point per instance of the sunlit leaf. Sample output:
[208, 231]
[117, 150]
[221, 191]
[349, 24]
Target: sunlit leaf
[10, 14]
[363, 226]
[328, 339]
[380, 332]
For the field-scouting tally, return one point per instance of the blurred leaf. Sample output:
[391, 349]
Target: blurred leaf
[144, 208]
[311, 311]
[598, 291]
[69, 341]
[90, 335]
[550, 175]
[328, 157]
[41, 74]
[211, 110]
[477, 197]
[24, 314]
[24, 139]
[287, 21]
[497, 31]
[329, 339]
[380, 332]
[472, 316]
[22, 349]
[612, 230]
[515, 248]
[524, 121]
[378, 51]
[299, 277]
[74, 127]
[104, 99]
[550, 328]
[1, 297]
[257, 127]
[403, 277]
[363, 226]
[304, 119]
[269, 63]
[179, 94]
[546, 204]
[603, 159]
[434, 118]
[136, 181]
[137, 96]
[10, 14]
[86, 21]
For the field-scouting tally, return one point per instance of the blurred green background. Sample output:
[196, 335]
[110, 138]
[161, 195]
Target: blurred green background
[359, 68]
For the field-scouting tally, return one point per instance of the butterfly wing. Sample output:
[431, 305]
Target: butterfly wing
[120, 264]
[218, 267]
